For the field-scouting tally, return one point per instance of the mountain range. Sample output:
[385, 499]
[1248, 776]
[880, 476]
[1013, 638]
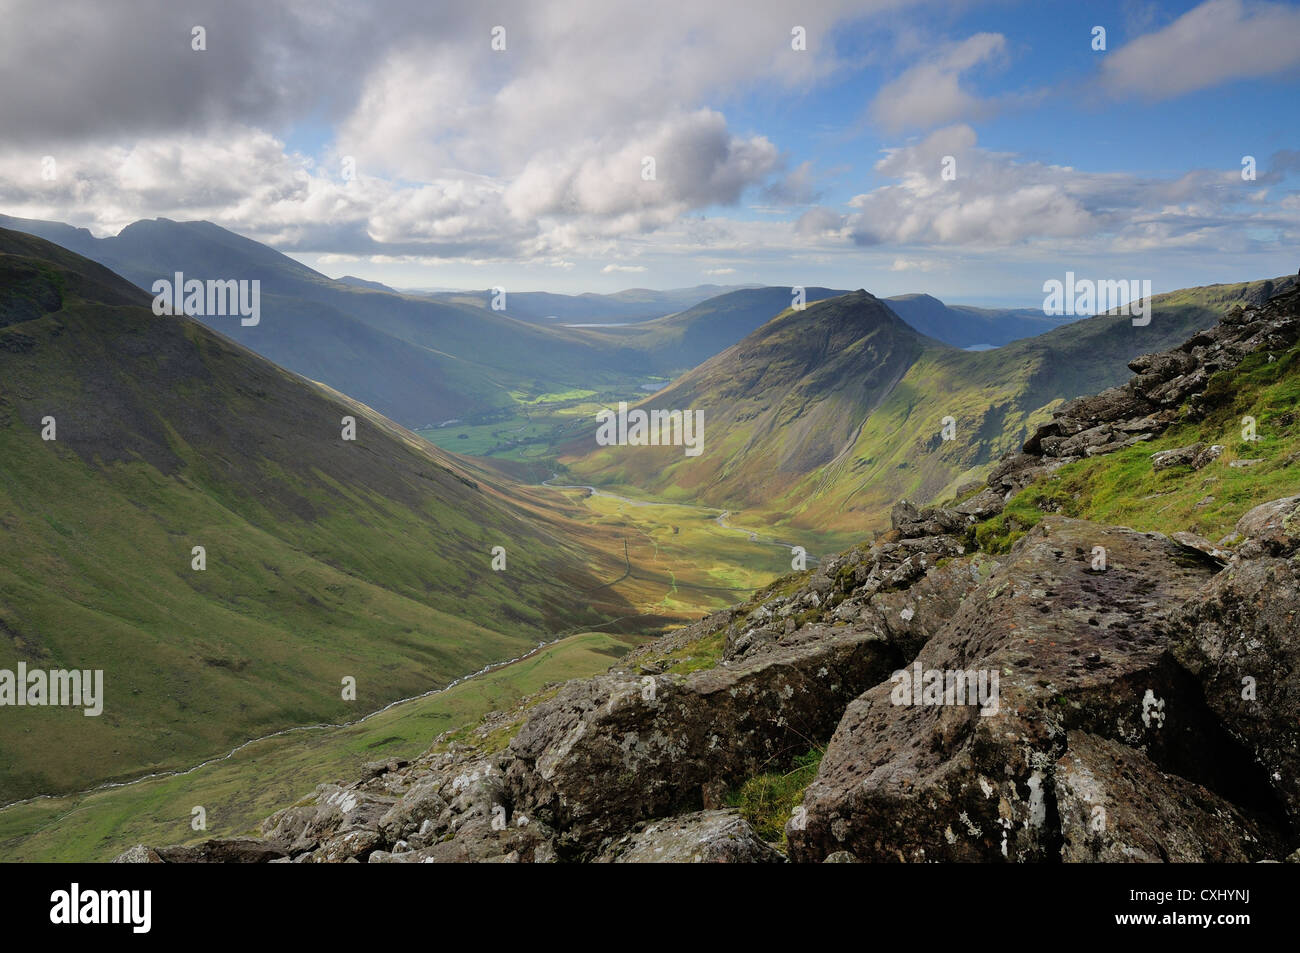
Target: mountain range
[821, 418]
[422, 359]
[334, 544]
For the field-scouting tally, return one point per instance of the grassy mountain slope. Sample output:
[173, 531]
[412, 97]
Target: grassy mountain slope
[792, 394]
[325, 558]
[887, 444]
[239, 791]
[414, 359]
[1123, 487]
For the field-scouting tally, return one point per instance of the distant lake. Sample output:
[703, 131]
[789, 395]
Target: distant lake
[981, 347]
[621, 324]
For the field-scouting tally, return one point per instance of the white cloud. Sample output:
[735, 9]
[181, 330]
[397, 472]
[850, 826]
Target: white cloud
[535, 152]
[631, 269]
[533, 157]
[1001, 200]
[913, 264]
[931, 93]
[797, 187]
[1216, 42]
[695, 163]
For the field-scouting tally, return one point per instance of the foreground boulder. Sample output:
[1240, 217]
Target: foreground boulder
[608, 752]
[1073, 649]
[1240, 637]
[1116, 806]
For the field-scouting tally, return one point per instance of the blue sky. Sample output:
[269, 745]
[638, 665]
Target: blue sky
[469, 166]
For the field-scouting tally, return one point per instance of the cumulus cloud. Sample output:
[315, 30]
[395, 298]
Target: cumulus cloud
[819, 221]
[1000, 199]
[537, 154]
[1216, 42]
[95, 71]
[931, 93]
[683, 162]
[797, 187]
[613, 269]
[532, 152]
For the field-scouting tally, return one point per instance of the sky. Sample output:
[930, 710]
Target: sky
[972, 150]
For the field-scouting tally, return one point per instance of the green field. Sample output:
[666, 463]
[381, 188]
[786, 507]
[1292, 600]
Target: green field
[539, 423]
[267, 775]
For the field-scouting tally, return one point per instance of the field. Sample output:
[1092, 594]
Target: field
[538, 423]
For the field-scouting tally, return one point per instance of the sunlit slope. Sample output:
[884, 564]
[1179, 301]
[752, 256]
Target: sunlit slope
[821, 419]
[325, 558]
[1124, 488]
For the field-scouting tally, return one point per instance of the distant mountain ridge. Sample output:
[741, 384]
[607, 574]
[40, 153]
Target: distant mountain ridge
[414, 359]
[965, 326]
[821, 418]
[629, 305]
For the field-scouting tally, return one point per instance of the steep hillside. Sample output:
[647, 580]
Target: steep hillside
[416, 360]
[792, 394]
[325, 557]
[834, 474]
[1089, 693]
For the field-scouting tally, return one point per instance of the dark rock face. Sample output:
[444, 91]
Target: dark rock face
[240, 850]
[1075, 650]
[609, 752]
[1116, 806]
[1273, 527]
[1046, 705]
[1240, 637]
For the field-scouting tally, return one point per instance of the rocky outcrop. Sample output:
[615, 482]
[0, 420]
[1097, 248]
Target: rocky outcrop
[1115, 805]
[1073, 649]
[706, 837]
[1145, 406]
[1096, 694]
[1240, 638]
